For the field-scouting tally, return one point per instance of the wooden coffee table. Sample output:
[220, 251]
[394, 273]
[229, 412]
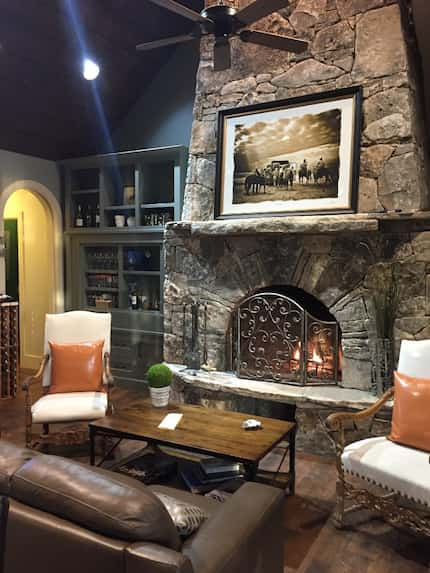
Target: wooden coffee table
[201, 430]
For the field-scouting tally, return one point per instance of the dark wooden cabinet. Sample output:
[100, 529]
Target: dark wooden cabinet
[116, 207]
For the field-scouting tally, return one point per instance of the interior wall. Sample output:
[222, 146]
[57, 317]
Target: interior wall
[164, 114]
[36, 270]
[16, 167]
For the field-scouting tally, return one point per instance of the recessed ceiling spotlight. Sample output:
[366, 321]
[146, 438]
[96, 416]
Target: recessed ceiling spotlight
[90, 69]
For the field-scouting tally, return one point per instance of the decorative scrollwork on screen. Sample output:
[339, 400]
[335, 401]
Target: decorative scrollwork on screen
[278, 340]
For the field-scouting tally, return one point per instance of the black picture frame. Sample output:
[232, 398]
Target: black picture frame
[354, 93]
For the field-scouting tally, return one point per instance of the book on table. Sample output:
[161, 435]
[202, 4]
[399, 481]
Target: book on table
[213, 467]
[197, 482]
[149, 468]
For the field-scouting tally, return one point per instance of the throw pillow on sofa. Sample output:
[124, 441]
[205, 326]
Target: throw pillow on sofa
[187, 518]
[410, 423]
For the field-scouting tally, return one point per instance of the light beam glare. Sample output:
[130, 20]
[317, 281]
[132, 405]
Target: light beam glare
[78, 31]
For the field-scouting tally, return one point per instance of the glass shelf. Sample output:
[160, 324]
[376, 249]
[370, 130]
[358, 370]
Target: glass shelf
[156, 205]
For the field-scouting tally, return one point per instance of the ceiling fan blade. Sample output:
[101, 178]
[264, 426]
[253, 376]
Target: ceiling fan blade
[222, 57]
[259, 9]
[180, 9]
[275, 41]
[165, 42]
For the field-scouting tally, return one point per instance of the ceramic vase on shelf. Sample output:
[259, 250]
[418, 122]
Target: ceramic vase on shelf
[159, 378]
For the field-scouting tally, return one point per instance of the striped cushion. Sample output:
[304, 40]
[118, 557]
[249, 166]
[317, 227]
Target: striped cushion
[187, 518]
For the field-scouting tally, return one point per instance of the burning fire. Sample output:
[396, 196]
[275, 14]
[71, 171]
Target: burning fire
[319, 363]
[316, 357]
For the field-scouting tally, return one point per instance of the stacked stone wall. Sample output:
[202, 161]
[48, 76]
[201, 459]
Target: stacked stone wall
[351, 42]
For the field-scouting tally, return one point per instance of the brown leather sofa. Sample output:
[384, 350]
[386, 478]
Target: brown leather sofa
[68, 517]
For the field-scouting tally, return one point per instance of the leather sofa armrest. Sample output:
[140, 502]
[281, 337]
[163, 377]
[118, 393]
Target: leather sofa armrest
[145, 557]
[245, 535]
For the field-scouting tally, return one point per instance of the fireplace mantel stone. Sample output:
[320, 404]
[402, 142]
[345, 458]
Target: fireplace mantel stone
[299, 224]
[330, 396]
[309, 225]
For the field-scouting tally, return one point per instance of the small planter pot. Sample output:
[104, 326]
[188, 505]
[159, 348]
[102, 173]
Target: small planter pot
[160, 396]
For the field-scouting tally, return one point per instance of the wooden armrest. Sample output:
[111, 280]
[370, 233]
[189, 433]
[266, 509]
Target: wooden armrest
[107, 374]
[335, 421]
[36, 378]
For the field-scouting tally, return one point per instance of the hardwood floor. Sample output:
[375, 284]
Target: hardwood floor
[312, 544]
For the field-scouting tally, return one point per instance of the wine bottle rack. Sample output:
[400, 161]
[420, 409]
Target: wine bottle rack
[9, 349]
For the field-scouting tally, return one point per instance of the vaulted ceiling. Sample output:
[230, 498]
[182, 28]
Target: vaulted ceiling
[47, 109]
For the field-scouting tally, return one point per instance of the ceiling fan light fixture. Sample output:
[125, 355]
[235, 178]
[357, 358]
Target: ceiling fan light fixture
[225, 21]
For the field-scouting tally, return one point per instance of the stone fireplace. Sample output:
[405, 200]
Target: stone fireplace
[335, 261]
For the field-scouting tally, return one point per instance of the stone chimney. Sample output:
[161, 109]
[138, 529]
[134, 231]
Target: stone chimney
[352, 42]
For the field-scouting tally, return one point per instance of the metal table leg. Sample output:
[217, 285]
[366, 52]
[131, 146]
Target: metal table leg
[109, 452]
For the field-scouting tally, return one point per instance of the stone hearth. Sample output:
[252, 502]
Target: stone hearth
[313, 404]
[338, 259]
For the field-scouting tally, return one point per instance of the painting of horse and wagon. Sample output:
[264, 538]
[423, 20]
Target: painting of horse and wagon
[296, 156]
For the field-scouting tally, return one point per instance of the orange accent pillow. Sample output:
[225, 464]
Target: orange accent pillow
[76, 367]
[410, 425]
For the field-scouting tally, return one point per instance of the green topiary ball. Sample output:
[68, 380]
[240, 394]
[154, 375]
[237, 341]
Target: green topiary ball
[159, 376]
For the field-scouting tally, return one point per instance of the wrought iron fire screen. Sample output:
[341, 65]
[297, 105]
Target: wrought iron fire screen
[278, 340]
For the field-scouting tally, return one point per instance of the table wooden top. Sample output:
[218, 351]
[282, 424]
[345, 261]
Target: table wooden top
[205, 430]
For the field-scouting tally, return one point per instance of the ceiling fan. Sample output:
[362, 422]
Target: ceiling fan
[224, 22]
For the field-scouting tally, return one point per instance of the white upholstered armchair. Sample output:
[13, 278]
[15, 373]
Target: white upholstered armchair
[402, 471]
[75, 327]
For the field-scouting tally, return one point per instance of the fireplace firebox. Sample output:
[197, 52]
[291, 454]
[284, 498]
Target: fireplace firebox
[276, 338]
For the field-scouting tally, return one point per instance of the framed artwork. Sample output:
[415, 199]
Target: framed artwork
[296, 156]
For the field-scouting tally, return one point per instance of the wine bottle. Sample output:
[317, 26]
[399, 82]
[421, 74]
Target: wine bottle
[88, 217]
[79, 220]
[132, 297]
[97, 217]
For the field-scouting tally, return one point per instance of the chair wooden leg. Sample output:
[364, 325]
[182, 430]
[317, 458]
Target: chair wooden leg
[28, 435]
[339, 512]
[45, 429]
[28, 420]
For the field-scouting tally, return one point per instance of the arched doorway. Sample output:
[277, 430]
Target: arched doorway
[39, 265]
